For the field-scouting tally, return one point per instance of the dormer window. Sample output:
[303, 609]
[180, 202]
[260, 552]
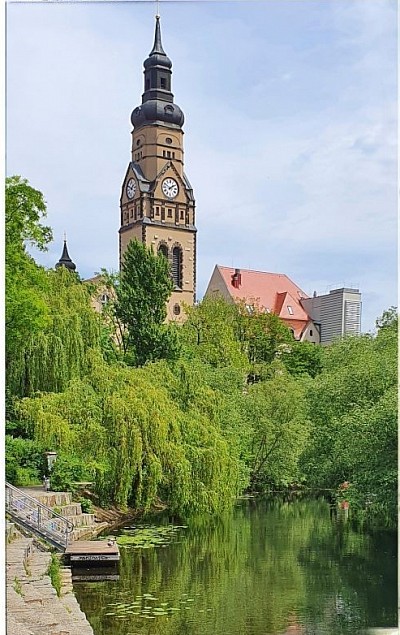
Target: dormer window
[290, 309]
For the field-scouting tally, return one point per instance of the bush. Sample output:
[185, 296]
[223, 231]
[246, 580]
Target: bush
[86, 504]
[66, 472]
[25, 461]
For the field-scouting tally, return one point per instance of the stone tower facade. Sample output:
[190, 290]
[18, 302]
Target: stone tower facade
[157, 202]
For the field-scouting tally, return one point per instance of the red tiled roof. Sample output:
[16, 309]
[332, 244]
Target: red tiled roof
[272, 291]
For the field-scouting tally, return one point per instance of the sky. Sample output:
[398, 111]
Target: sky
[290, 131]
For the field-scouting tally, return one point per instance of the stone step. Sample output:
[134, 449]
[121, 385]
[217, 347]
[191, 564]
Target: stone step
[83, 520]
[72, 509]
[53, 499]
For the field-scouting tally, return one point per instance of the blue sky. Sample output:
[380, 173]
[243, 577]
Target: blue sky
[290, 130]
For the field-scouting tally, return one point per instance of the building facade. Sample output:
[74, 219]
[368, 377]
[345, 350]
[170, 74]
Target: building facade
[338, 313]
[270, 292]
[157, 205]
[320, 319]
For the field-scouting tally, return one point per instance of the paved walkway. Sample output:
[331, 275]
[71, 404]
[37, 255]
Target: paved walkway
[33, 607]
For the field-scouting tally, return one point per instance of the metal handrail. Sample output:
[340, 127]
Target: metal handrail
[38, 516]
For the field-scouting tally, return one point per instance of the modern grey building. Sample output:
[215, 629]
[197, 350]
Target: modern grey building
[337, 313]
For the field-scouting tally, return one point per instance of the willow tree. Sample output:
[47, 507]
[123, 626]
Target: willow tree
[48, 358]
[140, 445]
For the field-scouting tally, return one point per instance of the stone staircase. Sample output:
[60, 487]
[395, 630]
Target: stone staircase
[85, 525]
[33, 607]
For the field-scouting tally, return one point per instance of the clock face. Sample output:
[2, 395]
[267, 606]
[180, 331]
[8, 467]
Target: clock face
[131, 188]
[170, 188]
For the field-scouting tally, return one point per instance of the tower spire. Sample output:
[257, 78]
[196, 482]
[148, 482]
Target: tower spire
[157, 46]
[65, 260]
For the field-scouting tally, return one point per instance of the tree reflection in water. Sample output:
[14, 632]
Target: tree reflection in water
[266, 568]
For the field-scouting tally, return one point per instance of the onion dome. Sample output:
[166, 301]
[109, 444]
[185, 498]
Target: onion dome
[157, 99]
[155, 110]
[65, 260]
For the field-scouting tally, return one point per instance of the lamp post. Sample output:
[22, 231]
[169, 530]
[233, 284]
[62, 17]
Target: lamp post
[51, 458]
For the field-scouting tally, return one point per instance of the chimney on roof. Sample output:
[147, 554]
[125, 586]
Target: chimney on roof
[236, 279]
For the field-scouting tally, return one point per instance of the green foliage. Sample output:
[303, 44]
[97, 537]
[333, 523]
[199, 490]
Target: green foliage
[263, 336]
[210, 333]
[302, 358]
[48, 359]
[26, 311]
[141, 296]
[54, 572]
[134, 441]
[86, 505]
[67, 471]
[353, 408]
[276, 412]
[25, 461]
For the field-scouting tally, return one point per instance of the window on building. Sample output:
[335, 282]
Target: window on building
[173, 155]
[147, 84]
[182, 214]
[290, 309]
[168, 154]
[131, 213]
[163, 214]
[170, 213]
[163, 249]
[163, 153]
[163, 82]
[157, 211]
[168, 140]
[104, 298]
[177, 267]
[177, 309]
[250, 309]
[310, 331]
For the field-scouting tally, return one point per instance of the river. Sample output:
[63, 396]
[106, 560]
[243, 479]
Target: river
[266, 568]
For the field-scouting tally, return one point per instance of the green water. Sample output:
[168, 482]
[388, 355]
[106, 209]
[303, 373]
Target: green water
[264, 569]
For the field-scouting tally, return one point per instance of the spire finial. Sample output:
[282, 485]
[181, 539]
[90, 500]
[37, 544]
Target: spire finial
[65, 236]
[157, 46]
[157, 9]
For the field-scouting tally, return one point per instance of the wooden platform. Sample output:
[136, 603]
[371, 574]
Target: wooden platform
[92, 551]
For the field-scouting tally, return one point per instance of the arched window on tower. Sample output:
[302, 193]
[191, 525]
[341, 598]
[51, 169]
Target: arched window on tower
[163, 249]
[177, 267]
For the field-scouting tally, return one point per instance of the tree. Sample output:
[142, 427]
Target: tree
[263, 337]
[276, 412]
[50, 356]
[26, 283]
[353, 409]
[145, 286]
[210, 334]
[302, 358]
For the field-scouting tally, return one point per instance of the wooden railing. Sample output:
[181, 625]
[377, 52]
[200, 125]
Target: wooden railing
[37, 517]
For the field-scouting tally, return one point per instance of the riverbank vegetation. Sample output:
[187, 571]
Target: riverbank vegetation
[194, 414]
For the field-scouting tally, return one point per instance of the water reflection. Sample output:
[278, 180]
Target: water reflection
[266, 568]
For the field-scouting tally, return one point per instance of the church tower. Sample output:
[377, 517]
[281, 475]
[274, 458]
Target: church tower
[157, 203]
